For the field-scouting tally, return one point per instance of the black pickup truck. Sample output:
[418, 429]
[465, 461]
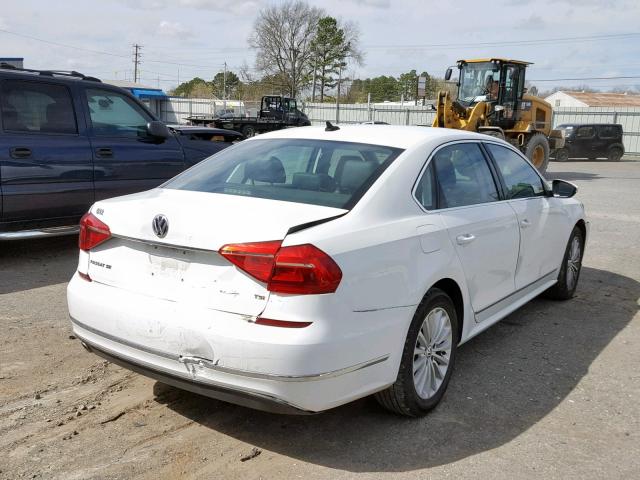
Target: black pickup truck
[68, 140]
[276, 112]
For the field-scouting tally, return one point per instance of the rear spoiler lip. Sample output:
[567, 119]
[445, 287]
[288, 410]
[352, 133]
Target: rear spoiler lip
[304, 226]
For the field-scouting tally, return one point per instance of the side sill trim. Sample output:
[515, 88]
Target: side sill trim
[235, 371]
[491, 310]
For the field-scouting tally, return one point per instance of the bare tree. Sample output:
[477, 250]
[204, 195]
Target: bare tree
[282, 36]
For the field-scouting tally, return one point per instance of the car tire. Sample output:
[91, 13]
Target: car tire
[537, 151]
[615, 154]
[427, 360]
[562, 155]
[569, 274]
[248, 131]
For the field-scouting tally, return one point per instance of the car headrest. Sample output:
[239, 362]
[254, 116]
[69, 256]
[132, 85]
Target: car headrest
[313, 181]
[270, 170]
[355, 173]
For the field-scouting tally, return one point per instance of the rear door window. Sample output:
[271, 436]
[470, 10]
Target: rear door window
[609, 131]
[463, 177]
[37, 107]
[319, 172]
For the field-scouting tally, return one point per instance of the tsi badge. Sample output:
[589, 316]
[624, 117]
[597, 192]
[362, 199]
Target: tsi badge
[160, 226]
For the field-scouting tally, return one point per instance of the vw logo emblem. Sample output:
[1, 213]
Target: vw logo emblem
[160, 226]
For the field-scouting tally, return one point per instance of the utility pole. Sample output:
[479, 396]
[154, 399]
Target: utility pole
[315, 70]
[136, 60]
[224, 82]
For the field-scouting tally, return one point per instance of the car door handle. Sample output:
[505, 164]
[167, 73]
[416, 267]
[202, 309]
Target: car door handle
[104, 152]
[20, 152]
[465, 239]
[525, 223]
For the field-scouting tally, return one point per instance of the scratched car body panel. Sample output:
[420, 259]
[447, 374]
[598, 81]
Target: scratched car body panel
[286, 272]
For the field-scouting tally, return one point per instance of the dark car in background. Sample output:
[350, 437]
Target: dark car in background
[592, 141]
[68, 140]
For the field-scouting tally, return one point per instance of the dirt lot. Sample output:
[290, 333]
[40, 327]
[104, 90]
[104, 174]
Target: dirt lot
[552, 391]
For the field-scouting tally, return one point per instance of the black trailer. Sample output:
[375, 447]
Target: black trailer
[276, 112]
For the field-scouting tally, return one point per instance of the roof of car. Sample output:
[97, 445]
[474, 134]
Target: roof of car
[387, 135]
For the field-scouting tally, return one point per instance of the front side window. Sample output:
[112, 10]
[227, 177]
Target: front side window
[520, 178]
[479, 82]
[318, 172]
[114, 114]
[37, 107]
[463, 176]
[585, 132]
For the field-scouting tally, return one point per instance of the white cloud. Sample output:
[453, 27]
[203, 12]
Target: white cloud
[173, 29]
[373, 3]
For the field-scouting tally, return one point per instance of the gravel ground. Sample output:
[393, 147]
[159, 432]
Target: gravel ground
[552, 391]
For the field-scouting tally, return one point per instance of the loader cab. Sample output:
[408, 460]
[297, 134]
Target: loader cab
[498, 82]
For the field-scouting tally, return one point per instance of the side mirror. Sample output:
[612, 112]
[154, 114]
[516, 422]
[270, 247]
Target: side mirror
[563, 189]
[447, 74]
[499, 108]
[158, 129]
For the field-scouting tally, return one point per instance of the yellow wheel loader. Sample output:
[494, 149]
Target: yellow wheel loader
[492, 99]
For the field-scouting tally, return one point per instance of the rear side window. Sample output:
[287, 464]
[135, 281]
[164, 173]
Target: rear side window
[115, 114]
[609, 131]
[293, 170]
[463, 176]
[520, 178]
[37, 107]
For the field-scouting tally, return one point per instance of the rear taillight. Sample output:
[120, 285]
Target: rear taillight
[298, 269]
[93, 232]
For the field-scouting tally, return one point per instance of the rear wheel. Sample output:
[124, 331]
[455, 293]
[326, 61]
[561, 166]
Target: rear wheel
[615, 154]
[562, 155]
[537, 151]
[248, 131]
[427, 358]
[570, 268]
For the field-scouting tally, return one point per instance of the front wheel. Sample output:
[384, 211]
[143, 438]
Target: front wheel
[562, 155]
[570, 269]
[427, 359]
[537, 151]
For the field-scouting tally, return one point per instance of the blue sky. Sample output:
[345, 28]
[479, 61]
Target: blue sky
[396, 36]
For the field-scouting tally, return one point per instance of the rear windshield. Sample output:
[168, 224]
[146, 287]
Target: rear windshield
[319, 172]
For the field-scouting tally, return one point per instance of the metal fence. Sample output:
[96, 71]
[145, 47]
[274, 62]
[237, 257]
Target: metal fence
[362, 112]
[177, 109]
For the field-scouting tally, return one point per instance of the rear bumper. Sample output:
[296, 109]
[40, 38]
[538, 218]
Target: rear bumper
[227, 357]
[250, 399]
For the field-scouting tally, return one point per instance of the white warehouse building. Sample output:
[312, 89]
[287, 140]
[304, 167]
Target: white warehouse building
[567, 99]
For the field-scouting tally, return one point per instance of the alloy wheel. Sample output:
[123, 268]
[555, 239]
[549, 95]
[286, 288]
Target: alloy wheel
[573, 262]
[432, 353]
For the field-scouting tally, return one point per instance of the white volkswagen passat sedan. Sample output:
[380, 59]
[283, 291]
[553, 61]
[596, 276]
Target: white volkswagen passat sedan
[309, 267]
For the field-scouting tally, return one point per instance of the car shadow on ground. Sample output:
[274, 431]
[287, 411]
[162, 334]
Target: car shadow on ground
[506, 380]
[28, 264]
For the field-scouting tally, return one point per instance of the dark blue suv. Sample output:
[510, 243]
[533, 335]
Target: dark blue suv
[68, 140]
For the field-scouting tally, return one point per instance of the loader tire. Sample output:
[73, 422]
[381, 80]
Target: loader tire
[537, 151]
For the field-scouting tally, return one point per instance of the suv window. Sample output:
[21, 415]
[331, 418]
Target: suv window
[585, 132]
[115, 114]
[37, 107]
[463, 176]
[608, 131]
[520, 178]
